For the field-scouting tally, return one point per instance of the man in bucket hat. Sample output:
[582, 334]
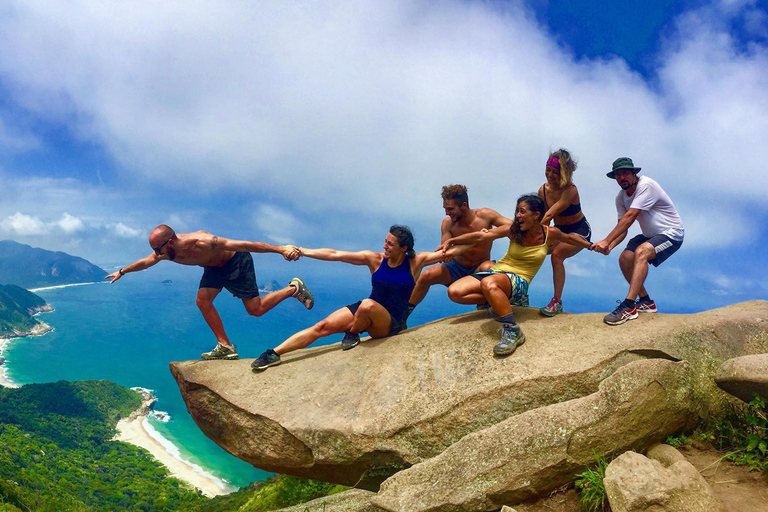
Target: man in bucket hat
[641, 199]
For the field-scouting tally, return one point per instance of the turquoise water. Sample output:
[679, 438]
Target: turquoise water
[128, 333]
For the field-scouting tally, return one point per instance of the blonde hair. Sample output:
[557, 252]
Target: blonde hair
[567, 166]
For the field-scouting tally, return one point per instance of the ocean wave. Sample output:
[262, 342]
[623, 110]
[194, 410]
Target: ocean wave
[160, 416]
[58, 286]
[173, 450]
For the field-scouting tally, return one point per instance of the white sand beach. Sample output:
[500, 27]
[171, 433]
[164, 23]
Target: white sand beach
[4, 381]
[134, 431]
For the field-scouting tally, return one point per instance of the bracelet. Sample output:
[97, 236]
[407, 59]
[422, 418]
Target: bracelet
[121, 272]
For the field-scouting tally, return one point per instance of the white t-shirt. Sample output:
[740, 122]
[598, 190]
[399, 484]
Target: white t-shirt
[658, 215]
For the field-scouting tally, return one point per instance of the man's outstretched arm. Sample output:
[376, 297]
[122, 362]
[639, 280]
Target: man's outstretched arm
[137, 265]
[289, 252]
[618, 233]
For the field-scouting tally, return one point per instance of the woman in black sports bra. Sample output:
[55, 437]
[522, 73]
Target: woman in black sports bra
[561, 198]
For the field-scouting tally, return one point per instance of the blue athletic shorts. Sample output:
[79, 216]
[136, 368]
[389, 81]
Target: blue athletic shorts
[662, 244]
[457, 271]
[237, 275]
[395, 326]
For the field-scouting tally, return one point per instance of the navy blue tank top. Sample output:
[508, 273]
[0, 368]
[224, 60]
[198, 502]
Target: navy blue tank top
[392, 287]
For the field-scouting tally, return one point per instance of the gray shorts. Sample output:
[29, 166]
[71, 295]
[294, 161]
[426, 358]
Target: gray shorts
[662, 244]
[237, 275]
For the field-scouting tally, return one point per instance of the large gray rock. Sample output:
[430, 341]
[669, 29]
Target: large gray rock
[540, 450]
[744, 376]
[359, 416]
[353, 500]
[634, 483]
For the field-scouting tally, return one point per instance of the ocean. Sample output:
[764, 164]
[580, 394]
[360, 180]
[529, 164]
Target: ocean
[128, 332]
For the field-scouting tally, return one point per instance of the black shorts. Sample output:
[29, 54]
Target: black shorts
[237, 275]
[581, 228]
[662, 244]
[395, 326]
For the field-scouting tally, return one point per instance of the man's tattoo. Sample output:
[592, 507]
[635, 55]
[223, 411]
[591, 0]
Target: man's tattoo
[214, 242]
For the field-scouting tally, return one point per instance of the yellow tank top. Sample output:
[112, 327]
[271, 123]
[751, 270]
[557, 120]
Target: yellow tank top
[523, 261]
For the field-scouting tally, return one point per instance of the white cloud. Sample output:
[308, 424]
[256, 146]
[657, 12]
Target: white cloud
[22, 224]
[70, 224]
[328, 108]
[277, 224]
[124, 231]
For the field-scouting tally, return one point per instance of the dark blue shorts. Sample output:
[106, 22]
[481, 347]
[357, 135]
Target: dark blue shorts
[457, 271]
[237, 275]
[664, 246]
[395, 326]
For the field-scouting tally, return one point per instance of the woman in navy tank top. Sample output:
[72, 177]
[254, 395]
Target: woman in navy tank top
[393, 276]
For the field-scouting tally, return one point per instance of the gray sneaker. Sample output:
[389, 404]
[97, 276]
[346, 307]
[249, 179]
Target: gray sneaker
[350, 340]
[522, 301]
[302, 293]
[511, 338]
[221, 352]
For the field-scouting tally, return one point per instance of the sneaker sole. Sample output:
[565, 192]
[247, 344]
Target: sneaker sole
[262, 368]
[509, 351]
[549, 314]
[349, 346]
[647, 310]
[309, 303]
[621, 321]
[214, 358]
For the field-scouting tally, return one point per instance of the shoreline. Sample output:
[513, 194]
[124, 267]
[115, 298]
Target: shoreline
[137, 431]
[4, 380]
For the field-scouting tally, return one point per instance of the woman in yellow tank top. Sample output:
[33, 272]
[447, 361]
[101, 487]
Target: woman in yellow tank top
[510, 277]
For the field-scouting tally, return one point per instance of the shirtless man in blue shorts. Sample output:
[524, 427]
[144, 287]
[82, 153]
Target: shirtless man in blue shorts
[460, 219]
[226, 264]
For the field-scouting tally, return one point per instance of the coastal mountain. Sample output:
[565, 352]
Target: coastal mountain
[31, 267]
[17, 307]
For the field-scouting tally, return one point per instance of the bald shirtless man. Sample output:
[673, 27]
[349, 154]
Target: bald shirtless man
[226, 264]
[460, 219]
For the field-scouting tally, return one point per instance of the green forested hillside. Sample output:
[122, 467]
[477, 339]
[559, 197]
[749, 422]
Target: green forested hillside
[16, 308]
[56, 453]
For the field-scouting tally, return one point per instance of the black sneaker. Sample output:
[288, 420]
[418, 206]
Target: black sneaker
[265, 360]
[350, 340]
[621, 314]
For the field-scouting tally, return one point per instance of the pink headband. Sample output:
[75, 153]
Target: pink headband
[554, 162]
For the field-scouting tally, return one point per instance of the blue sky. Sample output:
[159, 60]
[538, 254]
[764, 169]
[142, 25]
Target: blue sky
[322, 123]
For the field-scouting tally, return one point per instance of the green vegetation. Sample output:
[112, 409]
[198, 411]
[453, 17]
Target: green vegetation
[278, 492]
[16, 308]
[56, 453]
[742, 432]
[589, 483]
[678, 441]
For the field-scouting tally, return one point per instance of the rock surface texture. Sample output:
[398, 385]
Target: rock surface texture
[744, 376]
[635, 483]
[360, 416]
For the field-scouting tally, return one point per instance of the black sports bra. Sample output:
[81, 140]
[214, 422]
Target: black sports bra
[573, 209]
